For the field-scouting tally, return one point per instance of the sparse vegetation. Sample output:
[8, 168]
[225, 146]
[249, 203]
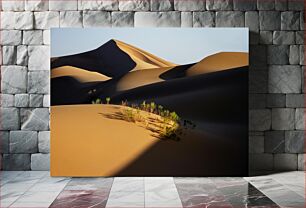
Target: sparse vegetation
[107, 100]
[97, 101]
[128, 114]
[168, 124]
[152, 107]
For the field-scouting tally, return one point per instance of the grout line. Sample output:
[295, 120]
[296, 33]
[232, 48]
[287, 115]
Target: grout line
[144, 192]
[110, 189]
[60, 191]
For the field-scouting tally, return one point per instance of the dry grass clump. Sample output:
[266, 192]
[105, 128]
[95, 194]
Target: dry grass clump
[166, 124]
[161, 121]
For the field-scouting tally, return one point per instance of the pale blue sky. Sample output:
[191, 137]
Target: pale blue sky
[178, 45]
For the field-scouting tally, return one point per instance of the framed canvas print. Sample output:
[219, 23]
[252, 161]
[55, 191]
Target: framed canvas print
[149, 102]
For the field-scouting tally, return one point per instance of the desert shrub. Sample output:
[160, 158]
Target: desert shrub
[97, 101]
[124, 103]
[166, 113]
[160, 109]
[128, 114]
[143, 105]
[170, 132]
[107, 100]
[147, 108]
[174, 117]
[152, 107]
[169, 122]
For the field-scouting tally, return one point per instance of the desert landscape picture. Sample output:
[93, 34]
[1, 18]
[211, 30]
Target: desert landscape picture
[121, 109]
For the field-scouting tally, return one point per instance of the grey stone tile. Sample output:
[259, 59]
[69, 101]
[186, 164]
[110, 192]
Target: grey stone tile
[261, 162]
[259, 119]
[163, 5]
[285, 79]
[269, 20]
[290, 20]
[229, 19]
[257, 101]
[40, 161]
[283, 118]
[134, 5]
[216, 5]
[256, 144]
[276, 100]
[295, 141]
[300, 119]
[203, 19]
[10, 119]
[16, 161]
[275, 142]
[23, 142]
[278, 54]
[196, 5]
[285, 162]
[295, 100]
[244, 5]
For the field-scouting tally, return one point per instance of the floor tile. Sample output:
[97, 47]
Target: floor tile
[294, 181]
[7, 176]
[16, 187]
[37, 190]
[102, 184]
[81, 199]
[277, 192]
[163, 198]
[50, 184]
[38, 196]
[238, 192]
[128, 185]
[125, 199]
[152, 185]
[203, 194]
[9, 199]
[22, 204]
[191, 180]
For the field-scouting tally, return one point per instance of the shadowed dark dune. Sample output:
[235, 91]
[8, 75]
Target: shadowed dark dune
[214, 96]
[201, 153]
[108, 59]
[67, 90]
[218, 96]
[176, 72]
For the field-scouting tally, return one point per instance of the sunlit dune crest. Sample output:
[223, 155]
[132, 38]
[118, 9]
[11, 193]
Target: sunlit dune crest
[140, 78]
[81, 75]
[143, 59]
[220, 61]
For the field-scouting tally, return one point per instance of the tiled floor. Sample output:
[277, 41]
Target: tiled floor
[37, 189]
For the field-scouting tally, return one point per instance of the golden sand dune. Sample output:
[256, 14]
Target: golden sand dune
[97, 139]
[140, 78]
[81, 75]
[143, 59]
[93, 140]
[218, 62]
